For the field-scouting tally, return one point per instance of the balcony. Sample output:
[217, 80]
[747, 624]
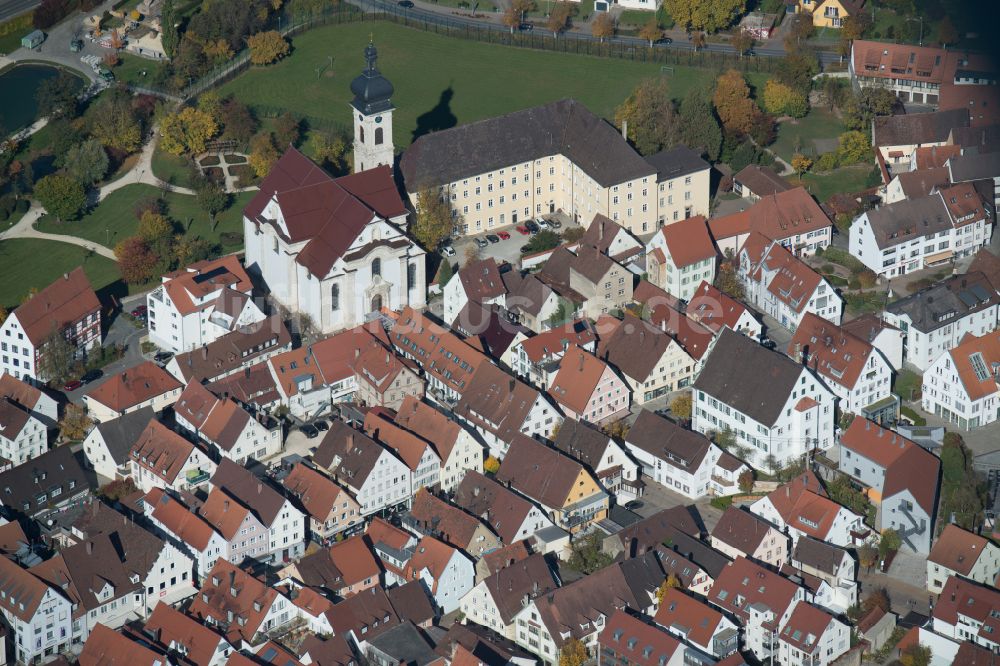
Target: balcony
[157, 295]
[196, 476]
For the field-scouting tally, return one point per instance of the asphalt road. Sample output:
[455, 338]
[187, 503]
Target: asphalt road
[11, 8]
[437, 17]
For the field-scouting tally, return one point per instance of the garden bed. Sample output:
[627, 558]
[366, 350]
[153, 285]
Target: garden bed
[244, 174]
[209, 160]
[215, 174]
[235, 158]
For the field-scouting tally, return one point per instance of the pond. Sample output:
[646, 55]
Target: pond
[18, 85]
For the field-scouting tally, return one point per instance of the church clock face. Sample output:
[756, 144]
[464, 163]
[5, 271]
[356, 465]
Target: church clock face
[378, 119]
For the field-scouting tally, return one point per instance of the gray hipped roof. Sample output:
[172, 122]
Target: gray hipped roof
[749, 378]
[120, 434]
[565, 127]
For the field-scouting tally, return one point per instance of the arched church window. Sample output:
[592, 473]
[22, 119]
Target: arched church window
[378, 136]
[335, 297]
[376, 267]
[411, 276]
[361, 134]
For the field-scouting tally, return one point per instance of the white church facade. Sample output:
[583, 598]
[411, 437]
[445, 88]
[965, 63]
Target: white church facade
[336, 249]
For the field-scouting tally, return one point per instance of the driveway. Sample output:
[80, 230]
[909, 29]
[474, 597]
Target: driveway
[506, 250]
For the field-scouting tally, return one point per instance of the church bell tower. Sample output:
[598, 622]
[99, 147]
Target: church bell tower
[372, 110]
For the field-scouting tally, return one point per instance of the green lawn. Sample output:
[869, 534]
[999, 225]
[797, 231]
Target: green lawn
[131, 69]
[173, 169]
[28, 262]
[843, 180]
[443, 81]
[818, 124]
[908, 383]
[114, 220]
[635, 17]
[13, 30]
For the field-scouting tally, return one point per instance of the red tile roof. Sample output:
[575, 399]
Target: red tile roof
[187, 525]
[899, 61]
[683, 612]
[325, 213]
[224, 512]
[985, 348]
[355, 560]
[318, 493]
[805, 627]
[174, 629]
[554, 341]
[958, 549]
[481, 280]
[107, 647]
[134, 386]
[803, 504]
[230, 589]
[795, 282]
[961, 597]
[744, 583]
[409, 447]
[161, 451]
[777, 216]
[198, 281]
[930, 157]
[579, 374]
[637, 642]
[425, 421]
[688, 241]
[431, 555]
[66, 301]
[714, 309]
[838, 356]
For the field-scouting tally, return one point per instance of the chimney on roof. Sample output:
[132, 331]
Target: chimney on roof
[581, 362]
[204, 352]
[90, 548]
[225, 506]
[260, 487]
[350, 442]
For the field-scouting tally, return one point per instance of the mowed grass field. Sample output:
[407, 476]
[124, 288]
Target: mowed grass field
[443, 81]
[27, 263]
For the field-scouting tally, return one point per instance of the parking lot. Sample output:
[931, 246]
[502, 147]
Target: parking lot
[505, 250]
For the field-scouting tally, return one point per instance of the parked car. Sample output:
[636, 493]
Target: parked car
[448, 251]
[92, 375]
[555, 224]
[406, 4]
[320, 424]
[526, 27]
[526, 248]
[163, 356]
[533, 228]
[76, 45]
[521, 229]
[481, 243]
[140, 312]
[769, 344]
[493, 238]
[633, 505]
[663, 41]
[503, 235]
[72, 385]
[542, 223]
[310, 431]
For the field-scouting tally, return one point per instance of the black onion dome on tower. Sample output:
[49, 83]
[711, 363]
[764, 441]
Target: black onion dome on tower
[372, 91]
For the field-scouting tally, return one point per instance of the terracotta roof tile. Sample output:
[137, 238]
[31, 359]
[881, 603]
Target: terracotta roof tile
[500, 508]
[741, 530]
[173, 628]
[354, 559]
[430, 424]
[744, 583]
[958, 549]
[318, 493]
[695, 619]
[579, 374]
[961, 597]
[832, 352]
[249, 489]
[714, 309]
[189, 287]
[233, 350]
[66, 301]
[224, 513]
[553, 341]
[635, 346]
[444, 520]
[640, 643]
[539, 472]
[107, 647]
[805, 627]
[134, 386]
[161, 451]
[180, 519]
[688, 241]
[761, 180]
[251, 602]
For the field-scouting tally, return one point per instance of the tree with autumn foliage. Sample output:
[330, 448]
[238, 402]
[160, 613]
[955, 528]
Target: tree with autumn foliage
[558, 17]
[649, 113]
[709, 15]
[681, 406]
[733, 104]
[267, 47]
[187, 131]
[263, 154]
[669, 583]
[651, 31]
[742, 41]
[75, 423]
[491, 465]
[433, 222]
[801, 164]
[877, 598]
[135, 260]
[745, 481]
[915, 655]
[511, 18]
[603, 26]
[782, 100]
[728, 282]
[573, 653]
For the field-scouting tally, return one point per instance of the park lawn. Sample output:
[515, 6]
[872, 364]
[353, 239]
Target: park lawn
[29, 262]
[133, 70]
[442, 81]
[819, 123]
[635, 17]
[847, 180]
[114, 220]
[173, 169]
[12, 30]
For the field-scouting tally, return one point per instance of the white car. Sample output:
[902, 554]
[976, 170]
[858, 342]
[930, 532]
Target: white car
[543, 223]
[448, 251]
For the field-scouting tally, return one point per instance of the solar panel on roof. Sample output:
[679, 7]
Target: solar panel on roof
[966, 297]
[980, 292]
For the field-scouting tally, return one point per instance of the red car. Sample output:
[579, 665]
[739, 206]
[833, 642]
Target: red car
[72, 385]
[139, 312]
[523, 230]
[503, 235]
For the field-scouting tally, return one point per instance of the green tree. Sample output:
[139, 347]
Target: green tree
[699, 127]
[330, 150]
[212, 198]
[543, 240]
[434, 220]
[168, 28]
[586, 555]
[649, 113]
[211, 103]
[710, 15]
[61, 195]
[796, 70]
[263, 154]
[87, 162]
[57, 97]
[188, 250]
[859, 108]
[445, 273]
[890, 542]
[114, 123]
[55, 363]
[287, 129]
[853, 147]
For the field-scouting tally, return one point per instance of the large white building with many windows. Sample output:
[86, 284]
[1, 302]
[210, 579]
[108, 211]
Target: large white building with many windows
[774, 406]
[962, 385]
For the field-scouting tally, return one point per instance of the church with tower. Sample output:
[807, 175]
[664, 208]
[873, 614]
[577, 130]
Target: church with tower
[336, 249]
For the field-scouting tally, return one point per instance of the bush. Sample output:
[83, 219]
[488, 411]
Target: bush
[827, 162]
[7, 206]
[722, 503]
